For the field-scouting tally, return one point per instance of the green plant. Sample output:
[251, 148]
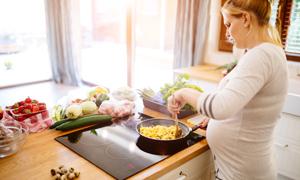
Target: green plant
[181, 82]
[8, 64]
[228, 67]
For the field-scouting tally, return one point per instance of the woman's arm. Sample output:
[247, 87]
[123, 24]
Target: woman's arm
[251, 75]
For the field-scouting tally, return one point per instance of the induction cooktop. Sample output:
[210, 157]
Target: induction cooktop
[113, 147]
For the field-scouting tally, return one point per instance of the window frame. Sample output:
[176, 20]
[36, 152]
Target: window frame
[224, 44]
[282, 24]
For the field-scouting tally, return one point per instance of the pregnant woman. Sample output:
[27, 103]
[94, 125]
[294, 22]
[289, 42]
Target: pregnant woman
[245, 107]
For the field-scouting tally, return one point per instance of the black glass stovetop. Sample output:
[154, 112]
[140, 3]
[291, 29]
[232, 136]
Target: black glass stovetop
[113, 147]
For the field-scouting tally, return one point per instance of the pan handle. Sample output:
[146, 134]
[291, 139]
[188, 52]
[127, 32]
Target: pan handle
[194, 128]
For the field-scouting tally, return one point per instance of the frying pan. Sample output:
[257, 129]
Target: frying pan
[159, 146]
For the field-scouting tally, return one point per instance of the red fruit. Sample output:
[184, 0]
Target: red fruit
[34, 101]
[35, 108]
[20, 109]
[21, 103]
[16, 105]
[28, 100]
[27, 111]
[15, 111]
[20, 118]
[28, 106]
[42, 107]
[1, 113]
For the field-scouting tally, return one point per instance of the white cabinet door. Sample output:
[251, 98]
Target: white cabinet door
[287, 146]
[198, 168]
[288, 159]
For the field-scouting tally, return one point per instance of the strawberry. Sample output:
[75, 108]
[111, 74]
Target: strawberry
[16, 105]
[28, 106]
[35, 108]
[21, 103]
[1, 113]
[42, 106]
[20, 109]
[20, 118]
[34, 101]
[15, 111]
[28, 100]
[27, 111]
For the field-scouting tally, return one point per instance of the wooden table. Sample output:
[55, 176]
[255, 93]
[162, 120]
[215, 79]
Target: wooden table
[41, 153]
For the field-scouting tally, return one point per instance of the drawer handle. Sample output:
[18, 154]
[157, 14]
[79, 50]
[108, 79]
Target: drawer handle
[281, 145]
[182, 175]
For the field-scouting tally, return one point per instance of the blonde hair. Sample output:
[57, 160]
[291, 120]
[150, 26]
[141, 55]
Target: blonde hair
[262, 10]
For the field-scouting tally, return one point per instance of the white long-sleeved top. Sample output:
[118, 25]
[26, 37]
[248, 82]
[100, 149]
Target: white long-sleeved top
[244, 111]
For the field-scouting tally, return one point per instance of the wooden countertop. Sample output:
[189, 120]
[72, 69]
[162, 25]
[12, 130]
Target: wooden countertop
[205, 72]
[41, 152]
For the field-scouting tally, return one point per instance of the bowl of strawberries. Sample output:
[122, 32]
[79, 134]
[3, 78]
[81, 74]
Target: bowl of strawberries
[26, 108]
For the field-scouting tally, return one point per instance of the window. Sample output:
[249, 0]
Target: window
[154, 43]
[23, 43]
[286, 18]
[107, 26]
[224, 43]
[103, 37]
[293, 37]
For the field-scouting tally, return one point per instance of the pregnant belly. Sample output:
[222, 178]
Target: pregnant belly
[221, 134]
[236, 159]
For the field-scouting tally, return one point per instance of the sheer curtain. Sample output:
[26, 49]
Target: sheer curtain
[192, 25]
[62, 17]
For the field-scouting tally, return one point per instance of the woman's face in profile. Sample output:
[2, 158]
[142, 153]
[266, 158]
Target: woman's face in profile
[236, 31]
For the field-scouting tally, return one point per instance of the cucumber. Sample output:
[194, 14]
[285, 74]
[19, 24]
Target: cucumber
[83, 121]
[57, 123]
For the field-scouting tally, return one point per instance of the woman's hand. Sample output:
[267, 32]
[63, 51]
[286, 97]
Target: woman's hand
[204, 122]
[182, 97]
[175, 102]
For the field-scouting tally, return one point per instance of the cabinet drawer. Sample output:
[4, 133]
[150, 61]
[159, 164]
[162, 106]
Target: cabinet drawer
[198, 168]
[288, 127]
[288, 158]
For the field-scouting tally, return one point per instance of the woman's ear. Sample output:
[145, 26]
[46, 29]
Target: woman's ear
[246, 19]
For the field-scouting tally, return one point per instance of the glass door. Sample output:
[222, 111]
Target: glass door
[127, 42]
[154, 42]
[23, 44]
[103, 36]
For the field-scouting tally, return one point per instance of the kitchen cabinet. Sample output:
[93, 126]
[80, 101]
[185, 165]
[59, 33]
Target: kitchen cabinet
[200, 168]
[287, 145]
